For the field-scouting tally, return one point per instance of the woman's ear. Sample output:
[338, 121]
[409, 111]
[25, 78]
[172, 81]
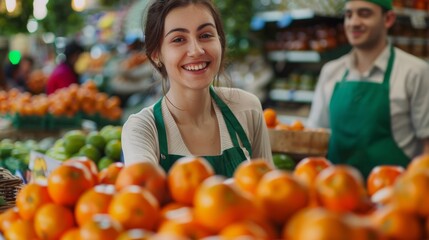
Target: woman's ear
[156, 59]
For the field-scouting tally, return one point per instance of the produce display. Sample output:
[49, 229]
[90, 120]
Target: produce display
[63, 109]
[295, 138]
[103, 147]
[316, 200]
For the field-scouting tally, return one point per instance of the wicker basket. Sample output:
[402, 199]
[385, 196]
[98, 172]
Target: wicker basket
[307, 142]
[9, 187]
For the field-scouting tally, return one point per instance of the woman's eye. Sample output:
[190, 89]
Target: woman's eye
[178, 39]
[206, 35]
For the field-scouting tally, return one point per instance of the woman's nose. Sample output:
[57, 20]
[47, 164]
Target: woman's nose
[195, 49]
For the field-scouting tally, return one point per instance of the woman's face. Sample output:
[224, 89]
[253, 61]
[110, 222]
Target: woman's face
[190, 50]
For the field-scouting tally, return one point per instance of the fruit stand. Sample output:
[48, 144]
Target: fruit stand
[141, 201]
[79, 189]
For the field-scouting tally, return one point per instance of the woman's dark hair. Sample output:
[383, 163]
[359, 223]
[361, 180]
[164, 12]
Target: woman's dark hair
[154, 27]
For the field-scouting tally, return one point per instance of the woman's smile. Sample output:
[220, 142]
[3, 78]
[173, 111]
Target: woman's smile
[196, 66]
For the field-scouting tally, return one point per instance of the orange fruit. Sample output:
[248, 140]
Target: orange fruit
[8, 217]
[362, 227]
[21, 230]
[136, 234]
[185, 227]
[90, 164]
[100, 227]
[382, 176]
[276, 188]
[110, 174]
[217, 204]
[308, 168]
[52, 221]
[135, 207]
[68, 182]
[418, 163]
[249, 173]
[394, 223]
[93, 201]
[340, 188]
[175, 210]
[144, 174]
[270, 116]
[316, 224]
[185, 176]
[383, 196]
[71, 234]
[410, 191]
[282, 126]
[30, 198]
[244, 229]
[297, 125]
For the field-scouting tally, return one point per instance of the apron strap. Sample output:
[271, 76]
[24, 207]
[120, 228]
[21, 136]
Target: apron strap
[232, 123]
[160, 126]
[389, 66]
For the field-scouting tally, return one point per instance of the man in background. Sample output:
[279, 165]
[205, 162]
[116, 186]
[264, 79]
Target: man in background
[374, 99]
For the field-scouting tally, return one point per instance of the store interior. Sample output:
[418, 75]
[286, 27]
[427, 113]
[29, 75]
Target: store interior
[277, 48]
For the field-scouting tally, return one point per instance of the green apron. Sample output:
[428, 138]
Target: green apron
[224, 164]
[360, 123]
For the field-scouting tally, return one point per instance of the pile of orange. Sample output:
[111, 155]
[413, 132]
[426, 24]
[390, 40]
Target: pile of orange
[317, 200]
[272, 121]
[64, 102]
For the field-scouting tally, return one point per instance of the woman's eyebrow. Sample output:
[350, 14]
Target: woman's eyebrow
[187, 31]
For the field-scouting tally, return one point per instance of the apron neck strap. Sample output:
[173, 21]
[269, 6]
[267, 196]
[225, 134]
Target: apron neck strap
[160, 126]
[389, 68]
[233, 125]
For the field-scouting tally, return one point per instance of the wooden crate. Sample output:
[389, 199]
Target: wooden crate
[306, 142]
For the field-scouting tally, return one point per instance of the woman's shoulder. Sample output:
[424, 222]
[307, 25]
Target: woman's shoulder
[234, 94]
[144, 116]
[238, 99]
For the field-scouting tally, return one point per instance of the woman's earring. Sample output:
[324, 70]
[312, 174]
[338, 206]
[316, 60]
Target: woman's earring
[159, 64]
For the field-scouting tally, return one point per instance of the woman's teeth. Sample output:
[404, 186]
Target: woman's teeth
[195, 67]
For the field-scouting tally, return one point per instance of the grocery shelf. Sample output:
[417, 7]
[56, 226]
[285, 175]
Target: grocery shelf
[287, 95]
[410, 12]
[282, 18]
[307, 56]
[418, 18]
[294, 56]
[273, 16]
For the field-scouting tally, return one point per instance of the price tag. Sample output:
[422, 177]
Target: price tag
[418, 20]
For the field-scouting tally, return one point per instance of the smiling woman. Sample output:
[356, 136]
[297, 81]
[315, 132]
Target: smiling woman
[186, 44]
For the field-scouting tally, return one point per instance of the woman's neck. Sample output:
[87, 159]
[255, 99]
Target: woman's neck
[190, 107]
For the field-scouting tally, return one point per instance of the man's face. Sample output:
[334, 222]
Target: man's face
[365, 24]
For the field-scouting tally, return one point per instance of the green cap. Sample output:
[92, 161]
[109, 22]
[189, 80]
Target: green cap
[386, 4]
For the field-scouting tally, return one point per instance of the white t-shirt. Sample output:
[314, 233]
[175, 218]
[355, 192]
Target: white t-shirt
[140, 136]
[409, 95]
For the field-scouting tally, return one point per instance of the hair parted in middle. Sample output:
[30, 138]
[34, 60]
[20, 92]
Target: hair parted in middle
[154, 22]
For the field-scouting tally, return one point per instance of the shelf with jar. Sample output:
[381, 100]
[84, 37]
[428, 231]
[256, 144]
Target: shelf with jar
[411, 31]
[298, 51]
[297, 38]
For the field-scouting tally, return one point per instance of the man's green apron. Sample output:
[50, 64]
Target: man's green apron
[360, 122]
[224, 164]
